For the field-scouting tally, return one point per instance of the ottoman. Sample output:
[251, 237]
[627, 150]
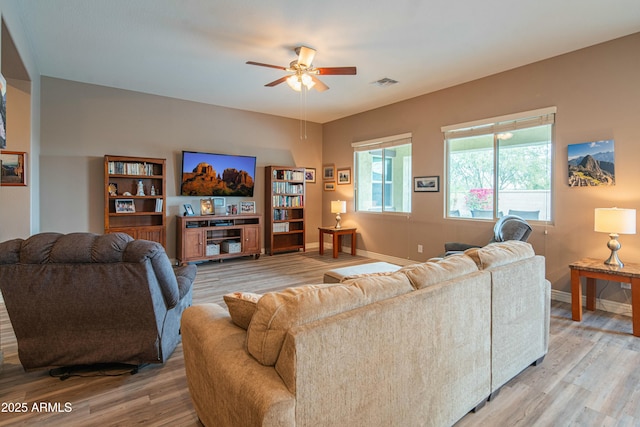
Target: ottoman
[340, 274]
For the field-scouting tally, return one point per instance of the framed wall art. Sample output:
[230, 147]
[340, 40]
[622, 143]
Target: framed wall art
[329, 186]
[344, 176]
[426, 184]
[328, 173]
[14, 168]
[310, 175]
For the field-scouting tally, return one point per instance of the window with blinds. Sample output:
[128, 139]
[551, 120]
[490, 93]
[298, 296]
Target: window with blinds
[501, 166]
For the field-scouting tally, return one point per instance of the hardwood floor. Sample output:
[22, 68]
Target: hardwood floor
[589, 378]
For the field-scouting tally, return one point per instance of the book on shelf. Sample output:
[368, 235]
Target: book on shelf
[129, 168]
[289, 175]
[158, 205]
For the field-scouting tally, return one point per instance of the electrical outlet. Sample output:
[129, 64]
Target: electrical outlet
[625, 285]
[420, 249]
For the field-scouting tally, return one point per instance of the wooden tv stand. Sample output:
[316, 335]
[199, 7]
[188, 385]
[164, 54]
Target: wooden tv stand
[216, 237]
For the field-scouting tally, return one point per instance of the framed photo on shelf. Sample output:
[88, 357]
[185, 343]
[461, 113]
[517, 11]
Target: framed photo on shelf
[426, 184]
[329, 186]
[344, 176]
[328, 173]
[14, 169]
[248, 207]
[188, 210]
[232, 209]
[206, 206]
[310, 175]
[125, 206]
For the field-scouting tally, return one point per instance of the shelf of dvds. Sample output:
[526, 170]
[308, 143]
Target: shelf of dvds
[134, 197]
[285, 218]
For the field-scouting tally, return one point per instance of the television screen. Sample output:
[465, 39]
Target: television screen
[207, 174]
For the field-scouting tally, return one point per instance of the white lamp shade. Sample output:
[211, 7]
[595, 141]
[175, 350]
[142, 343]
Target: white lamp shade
[614, 220]
[338, 206]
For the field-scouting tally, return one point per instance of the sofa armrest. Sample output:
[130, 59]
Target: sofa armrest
[185, 275]
[229, 387]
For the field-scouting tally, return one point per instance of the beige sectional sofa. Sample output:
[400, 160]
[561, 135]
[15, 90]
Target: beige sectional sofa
[418, 347]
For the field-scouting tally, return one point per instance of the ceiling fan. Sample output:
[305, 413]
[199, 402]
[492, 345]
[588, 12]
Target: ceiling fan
[304, 73]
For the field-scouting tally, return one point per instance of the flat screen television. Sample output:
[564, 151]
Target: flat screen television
[208, 174]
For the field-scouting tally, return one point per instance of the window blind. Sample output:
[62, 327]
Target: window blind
[386, 142]
[500, 124]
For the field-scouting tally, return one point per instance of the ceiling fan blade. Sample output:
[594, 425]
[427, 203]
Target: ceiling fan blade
[319, 85]
[305, 55]
[266, 65]
[277, 82]
[336, 70]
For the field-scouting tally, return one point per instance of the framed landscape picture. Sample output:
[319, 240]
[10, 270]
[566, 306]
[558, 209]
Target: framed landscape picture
[13, 166]
[426, 184]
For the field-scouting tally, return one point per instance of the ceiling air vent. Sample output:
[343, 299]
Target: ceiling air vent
[384, 82]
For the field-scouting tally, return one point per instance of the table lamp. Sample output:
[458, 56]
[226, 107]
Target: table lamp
[338, 207]
[615, 221]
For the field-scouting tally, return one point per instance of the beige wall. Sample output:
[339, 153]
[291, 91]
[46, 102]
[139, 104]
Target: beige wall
[596, 91]
[81, 123]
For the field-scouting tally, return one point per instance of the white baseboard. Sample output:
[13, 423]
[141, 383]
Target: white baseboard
[604, 305]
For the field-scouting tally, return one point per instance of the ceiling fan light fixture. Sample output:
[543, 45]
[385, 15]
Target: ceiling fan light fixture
[294, 83]
[307, 81]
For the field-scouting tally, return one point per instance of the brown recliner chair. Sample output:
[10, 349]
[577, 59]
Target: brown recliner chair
[86, 299]
[508, 227]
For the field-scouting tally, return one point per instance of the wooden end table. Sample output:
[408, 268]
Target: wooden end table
[337, 234]
[594, 269]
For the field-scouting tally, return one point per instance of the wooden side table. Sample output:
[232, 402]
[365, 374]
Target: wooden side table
[337, 234]
[594, 269]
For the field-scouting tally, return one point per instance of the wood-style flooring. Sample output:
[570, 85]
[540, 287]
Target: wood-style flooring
[591, 376]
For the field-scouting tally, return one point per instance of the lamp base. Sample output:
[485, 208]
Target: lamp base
[614, 245]
[338, 221]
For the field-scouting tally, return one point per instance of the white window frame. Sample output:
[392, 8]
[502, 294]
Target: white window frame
[378, 144]
[497, 125]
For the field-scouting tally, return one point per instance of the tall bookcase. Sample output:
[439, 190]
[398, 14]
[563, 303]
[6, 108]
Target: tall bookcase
[284, 217]
[140, 216]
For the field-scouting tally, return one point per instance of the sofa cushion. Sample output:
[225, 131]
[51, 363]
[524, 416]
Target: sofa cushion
[242, 306]
[500, 253]
[277, 312]
[430, 272]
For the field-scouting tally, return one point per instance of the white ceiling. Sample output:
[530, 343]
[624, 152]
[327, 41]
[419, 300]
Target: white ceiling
[196, 49]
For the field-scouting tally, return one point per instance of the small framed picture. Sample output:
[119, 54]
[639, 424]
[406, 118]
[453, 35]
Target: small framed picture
[206, 206]
[14, 168]
[426, 184]
[232, 209]
[248, 207]
[329, 186]
[328, 173]
[310, 174]
[125, 206]
[188, 210]
[344, 176]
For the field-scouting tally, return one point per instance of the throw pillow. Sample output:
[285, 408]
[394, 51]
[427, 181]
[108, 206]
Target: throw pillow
[242, 306]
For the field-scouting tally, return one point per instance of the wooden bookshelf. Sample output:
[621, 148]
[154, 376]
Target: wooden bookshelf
[285, 213]
[140, 216]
